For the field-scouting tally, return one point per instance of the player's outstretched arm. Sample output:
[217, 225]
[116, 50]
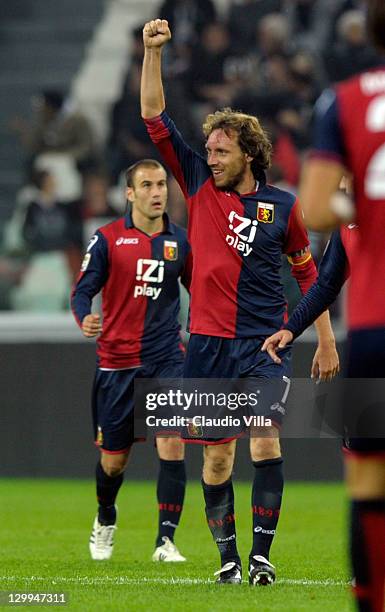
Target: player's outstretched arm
[91, 325]
[156, 33]
[277, 342]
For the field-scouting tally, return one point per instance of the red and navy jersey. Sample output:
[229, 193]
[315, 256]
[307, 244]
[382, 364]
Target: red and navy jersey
[333, 271]
[237, 243]
[350, 127]
[138, 276]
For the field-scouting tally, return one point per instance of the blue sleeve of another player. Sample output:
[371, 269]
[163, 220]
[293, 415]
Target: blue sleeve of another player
[92, 277]
[327, 138]
[187, 270]
[331, 277]
[189, 168]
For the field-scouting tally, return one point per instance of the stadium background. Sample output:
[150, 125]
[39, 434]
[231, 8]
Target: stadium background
[268, 57]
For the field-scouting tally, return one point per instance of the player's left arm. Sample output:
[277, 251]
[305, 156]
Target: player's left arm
[325, 363]
[325, 208]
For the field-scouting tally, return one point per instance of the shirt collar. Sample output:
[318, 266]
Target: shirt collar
[169, 227]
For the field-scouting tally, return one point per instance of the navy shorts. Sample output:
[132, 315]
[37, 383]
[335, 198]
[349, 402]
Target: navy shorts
[240, 360]
[113, 403]
[366, 359]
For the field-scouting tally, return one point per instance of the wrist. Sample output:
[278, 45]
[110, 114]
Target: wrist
[327, 341]
[287, 329]
[153, 51]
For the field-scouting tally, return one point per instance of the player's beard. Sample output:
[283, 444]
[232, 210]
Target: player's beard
[235, 177]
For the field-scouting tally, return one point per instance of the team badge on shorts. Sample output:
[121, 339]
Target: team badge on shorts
[99, 437]
[170, 250]
[265, 212]
[194, 431]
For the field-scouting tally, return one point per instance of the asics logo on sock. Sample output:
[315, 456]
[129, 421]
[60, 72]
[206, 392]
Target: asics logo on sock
[259, 529]
[169, 524]
[220, 540]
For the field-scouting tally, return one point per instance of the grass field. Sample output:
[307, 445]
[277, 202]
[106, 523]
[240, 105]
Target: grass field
[45, 525]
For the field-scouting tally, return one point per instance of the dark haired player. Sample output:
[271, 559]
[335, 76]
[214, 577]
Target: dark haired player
[350, 137]
[136, 262]
[238, 229]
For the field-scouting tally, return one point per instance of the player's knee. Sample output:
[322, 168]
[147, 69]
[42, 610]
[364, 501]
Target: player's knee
[113, 470]
[365, 478]
[170, 449]
[218, 462]
[113, 466]
[264, 448]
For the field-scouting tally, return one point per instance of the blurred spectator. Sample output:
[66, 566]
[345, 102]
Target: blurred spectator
[52, 235]
[285, 93]
[304, 88]
[137, 48]
[268, 55]
[207, 76]
[96, 208]
[95, 201]
[50, 225]
[243, 18]
[273, 35]
[305, 77]
[335, 10]
[351, 53]
[57, 128]
[187, 19]
[311, 21]
[129, 140]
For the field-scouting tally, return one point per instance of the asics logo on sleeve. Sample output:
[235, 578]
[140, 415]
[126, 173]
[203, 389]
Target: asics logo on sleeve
[244, 231]
[149, 271]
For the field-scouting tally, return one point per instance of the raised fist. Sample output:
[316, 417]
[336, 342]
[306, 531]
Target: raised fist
[156, 33]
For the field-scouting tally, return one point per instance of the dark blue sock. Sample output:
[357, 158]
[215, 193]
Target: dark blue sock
[170, 493]
[221, 519]
[107, 488]
[266, 500]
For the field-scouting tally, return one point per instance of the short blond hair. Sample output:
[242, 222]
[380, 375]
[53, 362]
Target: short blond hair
[252, 138]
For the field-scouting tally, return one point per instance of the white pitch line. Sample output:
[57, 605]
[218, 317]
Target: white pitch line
[124, 580]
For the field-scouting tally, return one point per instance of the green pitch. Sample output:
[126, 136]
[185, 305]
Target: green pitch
[45, 526]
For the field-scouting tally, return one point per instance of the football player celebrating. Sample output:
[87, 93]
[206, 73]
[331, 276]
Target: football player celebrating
[238, 229]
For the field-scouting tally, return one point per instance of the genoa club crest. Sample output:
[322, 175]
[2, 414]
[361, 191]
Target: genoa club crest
[265, 212]
[99, 437]
[170, 250]
[194, 431]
